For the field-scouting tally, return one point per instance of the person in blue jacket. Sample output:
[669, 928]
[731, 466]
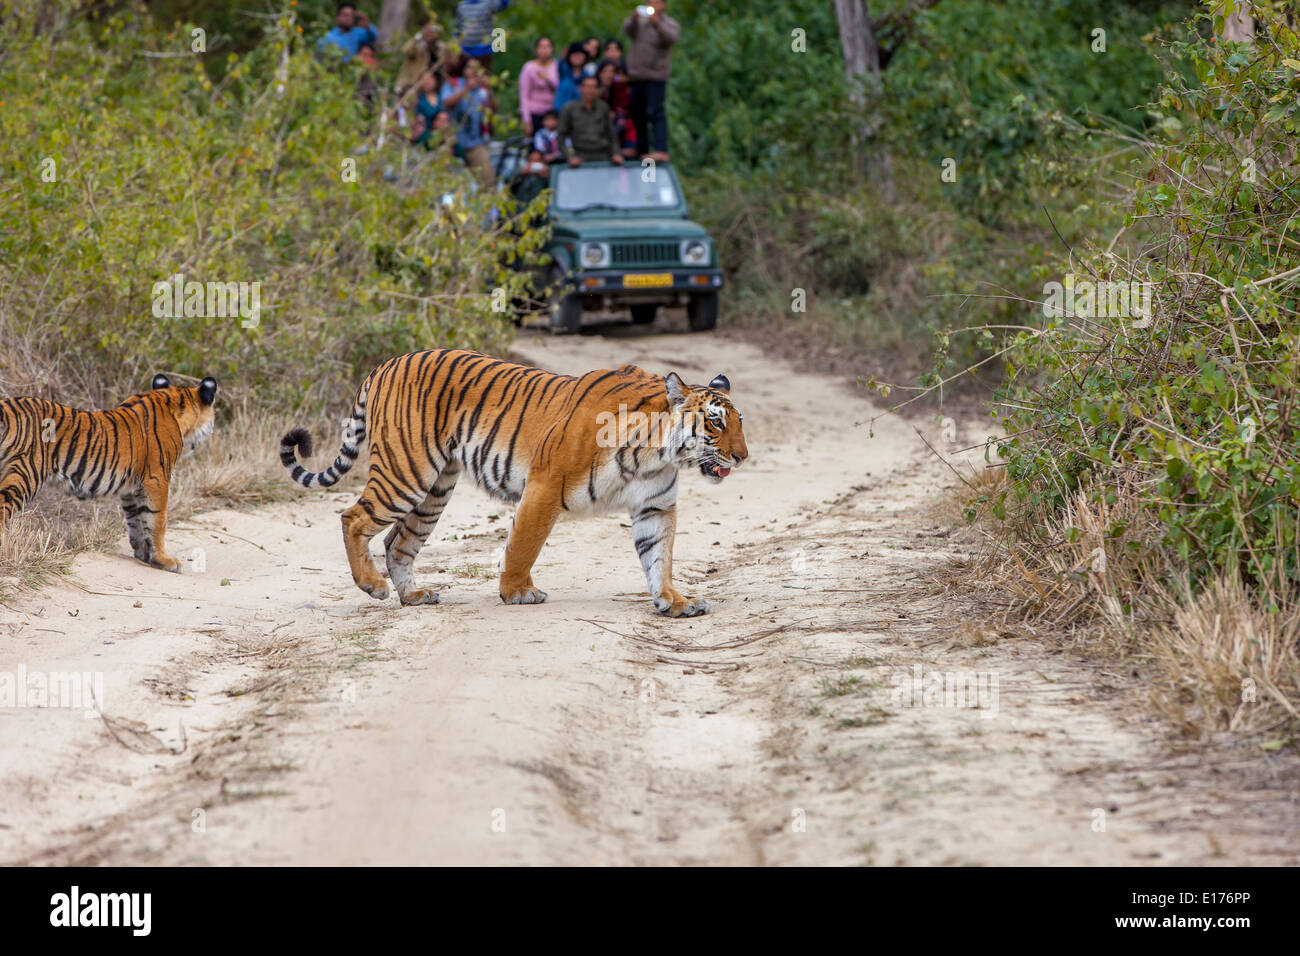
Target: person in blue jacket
[352, 31]
[571, 72]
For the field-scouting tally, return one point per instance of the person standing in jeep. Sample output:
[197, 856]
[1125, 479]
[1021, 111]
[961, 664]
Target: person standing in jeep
[649, 61]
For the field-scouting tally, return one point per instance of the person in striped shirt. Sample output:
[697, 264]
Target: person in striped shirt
[473, 27]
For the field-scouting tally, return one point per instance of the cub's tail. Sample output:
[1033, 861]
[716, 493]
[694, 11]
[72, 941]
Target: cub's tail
[354, 437]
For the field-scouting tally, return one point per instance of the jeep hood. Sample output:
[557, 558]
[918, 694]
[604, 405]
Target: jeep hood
[603, 228]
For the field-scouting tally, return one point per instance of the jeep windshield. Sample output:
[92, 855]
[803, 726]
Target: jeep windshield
[614, 188]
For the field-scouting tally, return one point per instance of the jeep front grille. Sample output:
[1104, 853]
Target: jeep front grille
[645, 253]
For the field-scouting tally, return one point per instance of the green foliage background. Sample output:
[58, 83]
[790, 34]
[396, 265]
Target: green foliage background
[158, 168]
[1195, 415]
[768, 139]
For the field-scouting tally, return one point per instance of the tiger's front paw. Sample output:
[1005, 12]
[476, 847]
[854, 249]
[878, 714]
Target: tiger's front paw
[673, 604]
[419, 596]
[529, 595]
[166, 563]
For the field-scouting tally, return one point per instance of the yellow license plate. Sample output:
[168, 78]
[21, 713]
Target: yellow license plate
[647, 280]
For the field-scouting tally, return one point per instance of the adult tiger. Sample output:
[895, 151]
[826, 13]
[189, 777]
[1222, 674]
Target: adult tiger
[552, 443]
[127, 451]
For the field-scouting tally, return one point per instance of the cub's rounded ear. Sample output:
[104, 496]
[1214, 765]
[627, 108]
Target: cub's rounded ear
[161, 381]
[721, 382]
[208, 390]
[676, 388]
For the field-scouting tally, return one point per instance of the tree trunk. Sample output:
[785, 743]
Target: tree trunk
[1238, 24]
[857, 39]
[392, 23]
[862, 65]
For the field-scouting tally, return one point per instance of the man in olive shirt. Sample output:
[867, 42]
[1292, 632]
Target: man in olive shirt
[586, 131]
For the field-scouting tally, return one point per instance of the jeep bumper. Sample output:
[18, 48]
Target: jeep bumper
[648, 285]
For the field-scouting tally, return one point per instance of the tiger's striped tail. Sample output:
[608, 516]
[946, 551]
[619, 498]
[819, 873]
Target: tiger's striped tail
[299, 440]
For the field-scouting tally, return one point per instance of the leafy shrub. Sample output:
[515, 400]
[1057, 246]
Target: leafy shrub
[976, 80]
[1194, 414]
[126, 164]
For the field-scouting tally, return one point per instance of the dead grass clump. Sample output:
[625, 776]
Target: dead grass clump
[239, 466]
[41, 541]
[1226, 663]
[1218, 658]
[980, 485]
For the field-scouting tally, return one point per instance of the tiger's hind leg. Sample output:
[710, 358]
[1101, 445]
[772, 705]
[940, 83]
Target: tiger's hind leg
[403, 543]
[360, 524]
[382, 502]
[17, 485]
[135, 507]
[146, 523]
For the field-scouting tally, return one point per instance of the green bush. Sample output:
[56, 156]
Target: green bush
[126, 164]
[1191, 412]
[976, 81]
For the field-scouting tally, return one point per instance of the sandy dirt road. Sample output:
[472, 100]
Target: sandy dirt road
[262, 710]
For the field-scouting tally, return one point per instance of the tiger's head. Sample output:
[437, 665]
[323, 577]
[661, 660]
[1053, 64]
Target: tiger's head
[192, 408]
[711, 429]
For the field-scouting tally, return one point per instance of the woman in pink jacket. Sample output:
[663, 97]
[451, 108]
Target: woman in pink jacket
[537, 82]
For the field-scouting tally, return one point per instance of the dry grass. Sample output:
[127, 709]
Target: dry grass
[239, 466]
[976, 485]
[1221, 660]
[43, 539]
[1228, 664]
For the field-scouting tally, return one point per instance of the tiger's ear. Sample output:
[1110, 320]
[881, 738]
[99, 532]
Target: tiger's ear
[721, 383]
[161, 381]
[676, 388]
[208, 390]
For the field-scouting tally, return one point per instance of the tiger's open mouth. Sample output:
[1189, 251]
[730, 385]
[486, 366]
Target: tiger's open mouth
[713, 471]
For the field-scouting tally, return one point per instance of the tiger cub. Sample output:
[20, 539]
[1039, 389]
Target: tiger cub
[599, 442]
[128, 451]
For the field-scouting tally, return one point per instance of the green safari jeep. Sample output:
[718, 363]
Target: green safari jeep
[621, 239]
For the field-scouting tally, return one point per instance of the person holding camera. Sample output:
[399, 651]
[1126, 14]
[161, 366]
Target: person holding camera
[470, 102]
[649, 61]
[351, 31]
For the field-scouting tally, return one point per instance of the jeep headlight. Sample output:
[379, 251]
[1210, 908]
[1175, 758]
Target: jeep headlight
[595, 255]
[695, 252]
